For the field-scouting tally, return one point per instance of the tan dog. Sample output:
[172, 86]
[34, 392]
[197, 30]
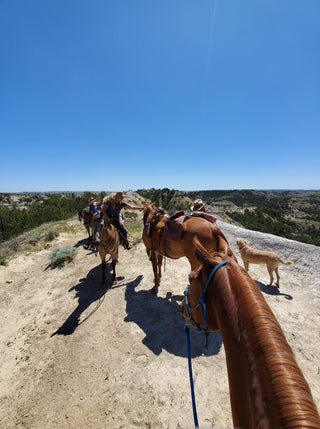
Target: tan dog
[255, 256]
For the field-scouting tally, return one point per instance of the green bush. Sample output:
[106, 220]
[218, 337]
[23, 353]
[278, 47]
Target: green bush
[51, 234]
[63, 254]
[13, 245]
[3, 260]
[55, 207]
[33, 239]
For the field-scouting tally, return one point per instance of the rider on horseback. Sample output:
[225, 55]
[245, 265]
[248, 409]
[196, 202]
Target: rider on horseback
[91, 220]
[198, 206]
[112, 206]
[93, 208]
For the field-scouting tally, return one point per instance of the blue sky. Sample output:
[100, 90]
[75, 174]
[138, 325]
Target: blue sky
[129, 94]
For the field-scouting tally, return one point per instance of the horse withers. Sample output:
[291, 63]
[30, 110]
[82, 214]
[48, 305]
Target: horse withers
[267, 388]
[157, 246]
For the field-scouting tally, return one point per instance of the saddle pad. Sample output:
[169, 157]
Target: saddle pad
[209, 216]
[173, 229]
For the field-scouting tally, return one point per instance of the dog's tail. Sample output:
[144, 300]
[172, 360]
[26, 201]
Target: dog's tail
[285, 262]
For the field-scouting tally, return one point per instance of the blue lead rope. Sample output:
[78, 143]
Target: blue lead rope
[195, 417]
[204, 328]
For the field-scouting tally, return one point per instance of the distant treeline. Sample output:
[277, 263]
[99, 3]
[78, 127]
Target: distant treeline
[240, 198]
[289, 214]
[278, 219]
[41, 208]
[161, 197]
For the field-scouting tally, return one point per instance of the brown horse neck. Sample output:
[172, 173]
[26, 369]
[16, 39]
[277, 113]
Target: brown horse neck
[148, 214]
[262, 369]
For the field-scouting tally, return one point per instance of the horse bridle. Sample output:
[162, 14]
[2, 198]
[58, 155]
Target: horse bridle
[201, 302]
[195, 324]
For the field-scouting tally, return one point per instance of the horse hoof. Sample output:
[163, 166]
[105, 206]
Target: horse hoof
[154, 290]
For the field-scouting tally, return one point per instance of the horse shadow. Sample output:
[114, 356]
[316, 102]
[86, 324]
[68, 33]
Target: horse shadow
[82, 242]
[163, 325]
[272, 290]
[87, 291]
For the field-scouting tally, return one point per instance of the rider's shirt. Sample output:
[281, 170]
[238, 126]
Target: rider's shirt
[114, 212]
[93, 208]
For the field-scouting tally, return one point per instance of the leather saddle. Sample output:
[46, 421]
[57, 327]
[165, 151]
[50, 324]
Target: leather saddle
[170, 228]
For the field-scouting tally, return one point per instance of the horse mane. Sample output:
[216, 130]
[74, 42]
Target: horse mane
[281, 378]
[267, 387]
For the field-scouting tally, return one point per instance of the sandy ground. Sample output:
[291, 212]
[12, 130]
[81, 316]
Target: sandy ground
[76, 356]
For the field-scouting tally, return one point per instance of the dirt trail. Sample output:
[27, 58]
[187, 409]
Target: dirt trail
[74, 355]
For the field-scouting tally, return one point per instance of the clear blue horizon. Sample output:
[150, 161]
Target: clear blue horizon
[179, 94]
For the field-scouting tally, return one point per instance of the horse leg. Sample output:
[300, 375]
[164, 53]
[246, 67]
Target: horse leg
[96, 234]
[154, 260]
[103, 267]
[94, 239]
[159, 263]
[88, 229]
[102, 254]
[113, 265]
[88, 246]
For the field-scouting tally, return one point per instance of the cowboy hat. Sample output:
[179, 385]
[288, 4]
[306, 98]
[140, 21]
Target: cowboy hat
[196, 204]
[90, 199]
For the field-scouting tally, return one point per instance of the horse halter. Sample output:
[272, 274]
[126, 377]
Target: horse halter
[201, 303]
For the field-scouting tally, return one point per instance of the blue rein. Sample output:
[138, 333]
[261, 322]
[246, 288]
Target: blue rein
[204, 328]
[201, 303]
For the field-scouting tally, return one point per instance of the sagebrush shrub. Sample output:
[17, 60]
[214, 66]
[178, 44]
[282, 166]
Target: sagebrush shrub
[13, 245]
[62, 254]
[34, 239]
[3, 260]
[51, 234]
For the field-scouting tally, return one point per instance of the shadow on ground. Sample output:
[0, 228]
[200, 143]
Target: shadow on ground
[272, 290]
[83, 242]
[163, 325]
[159, 318]
[88, 290]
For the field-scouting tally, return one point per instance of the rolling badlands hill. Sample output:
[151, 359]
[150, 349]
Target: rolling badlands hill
[74, 355]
